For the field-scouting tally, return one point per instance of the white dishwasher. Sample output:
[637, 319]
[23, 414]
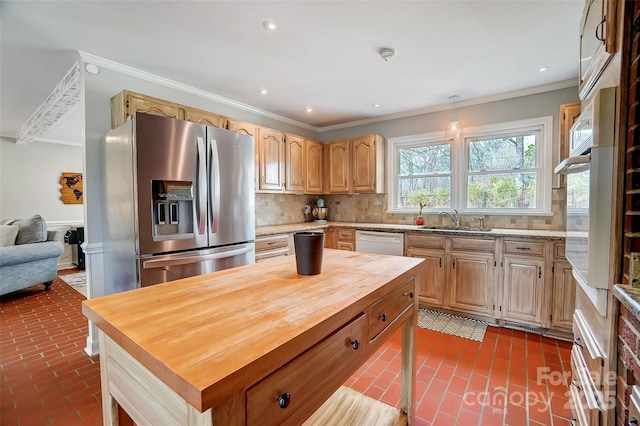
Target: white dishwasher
[380, 242]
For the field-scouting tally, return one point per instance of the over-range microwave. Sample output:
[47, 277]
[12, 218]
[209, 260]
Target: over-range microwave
[589, 171]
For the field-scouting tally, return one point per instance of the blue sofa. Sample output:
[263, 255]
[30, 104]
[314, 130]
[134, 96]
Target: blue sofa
[28, 263]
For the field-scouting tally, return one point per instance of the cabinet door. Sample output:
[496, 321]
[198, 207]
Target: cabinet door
[523, 289]
[242, 127]
[204, 117]
[153, 106]
[271, 160]
[363, 171]
[313, 163]
[568, 115]
[563, 296]
[338, 167]
[294, 168]
[471, 282]
[431, 290]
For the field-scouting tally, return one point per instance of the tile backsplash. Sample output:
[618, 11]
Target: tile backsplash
[275, 209]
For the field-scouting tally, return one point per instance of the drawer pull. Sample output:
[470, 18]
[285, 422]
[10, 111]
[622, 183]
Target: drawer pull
[383, 317]
[633, 421]
[574, 382]
[355, 344]
[410, 294]
[283, 400]
[270, 243]
[573, 422]
[523, 248]
[576, 342]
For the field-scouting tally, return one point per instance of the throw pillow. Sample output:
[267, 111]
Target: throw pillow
[8, 235]
[32, 230]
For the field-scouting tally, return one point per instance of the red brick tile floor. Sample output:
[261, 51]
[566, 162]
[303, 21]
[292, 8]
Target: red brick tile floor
[511, 378]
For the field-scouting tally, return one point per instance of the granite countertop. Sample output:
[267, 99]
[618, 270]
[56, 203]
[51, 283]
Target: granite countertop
[629, 297]
[308, 226]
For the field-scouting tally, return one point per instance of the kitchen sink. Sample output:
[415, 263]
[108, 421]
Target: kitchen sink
[456, 228]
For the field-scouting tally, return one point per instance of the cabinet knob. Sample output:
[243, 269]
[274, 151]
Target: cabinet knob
[283, 400]
[383, 317]
[409, 293]
[355, 344]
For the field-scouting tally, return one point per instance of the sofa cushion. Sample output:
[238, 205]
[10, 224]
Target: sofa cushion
[31, 230]
[8, 235]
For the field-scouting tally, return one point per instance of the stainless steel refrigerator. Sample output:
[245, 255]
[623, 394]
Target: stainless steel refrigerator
[179, 200]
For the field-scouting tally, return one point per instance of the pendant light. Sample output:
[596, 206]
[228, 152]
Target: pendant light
[454, 128]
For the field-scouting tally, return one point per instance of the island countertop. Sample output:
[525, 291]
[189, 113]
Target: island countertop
[209, 335]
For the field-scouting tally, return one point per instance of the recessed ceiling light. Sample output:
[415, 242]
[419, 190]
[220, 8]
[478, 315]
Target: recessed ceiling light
[309, 109]
[543, 68]
[376, 105]
[263, 91]
[91, 69]
[269, 24]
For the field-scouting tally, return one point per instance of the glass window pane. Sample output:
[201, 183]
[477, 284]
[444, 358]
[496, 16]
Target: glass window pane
[506, 191]
[425, 160]
[435, 192]
[515, 152]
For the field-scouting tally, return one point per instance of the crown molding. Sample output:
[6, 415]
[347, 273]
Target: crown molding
[64, 97]
[152, 78]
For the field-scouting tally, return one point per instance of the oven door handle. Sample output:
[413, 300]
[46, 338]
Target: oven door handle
[575, 164]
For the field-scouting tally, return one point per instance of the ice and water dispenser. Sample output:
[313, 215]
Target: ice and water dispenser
[172, 208]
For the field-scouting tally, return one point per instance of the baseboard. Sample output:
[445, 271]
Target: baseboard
[66, 265]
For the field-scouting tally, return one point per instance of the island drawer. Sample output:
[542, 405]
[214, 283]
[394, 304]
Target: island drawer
[387, 309]
[590, 355]
[585, 397]
[425, 241]
[293, 392]
[524, 247]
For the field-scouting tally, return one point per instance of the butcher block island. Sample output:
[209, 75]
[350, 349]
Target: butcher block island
[258, 344]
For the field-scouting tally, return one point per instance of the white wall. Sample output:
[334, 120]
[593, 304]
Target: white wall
[29, 180]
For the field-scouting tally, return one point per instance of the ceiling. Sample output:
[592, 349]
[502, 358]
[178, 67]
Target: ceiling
[323, 54]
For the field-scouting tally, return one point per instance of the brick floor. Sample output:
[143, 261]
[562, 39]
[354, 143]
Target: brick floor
[511, 378]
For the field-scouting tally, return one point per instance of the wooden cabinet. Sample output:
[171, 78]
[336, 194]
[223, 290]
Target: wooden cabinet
[355, 165]
[242, 127]
[471, 282]
[563, 296]
[125, 104]
[341, 239]
[524, 271]
[294, 163]
[313, 167]
[271, 160]
[205, 117]
[272, 246]
[568, 115]
[431, 291]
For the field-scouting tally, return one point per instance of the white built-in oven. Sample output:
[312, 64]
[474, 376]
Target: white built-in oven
[589, 171]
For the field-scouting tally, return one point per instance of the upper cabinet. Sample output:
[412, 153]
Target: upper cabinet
[125, 104]
[271, 154]
[242, 127]
[355, 165]
[569, 113]
[313, 167]
[204, 117]
[597, 42]
[294, 163]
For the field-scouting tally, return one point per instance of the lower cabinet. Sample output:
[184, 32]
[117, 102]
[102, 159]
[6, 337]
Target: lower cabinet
[341, 239]
[514, 281]
[471, 282]
[523, 289]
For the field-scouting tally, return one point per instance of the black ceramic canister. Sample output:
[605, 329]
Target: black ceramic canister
[309, 247]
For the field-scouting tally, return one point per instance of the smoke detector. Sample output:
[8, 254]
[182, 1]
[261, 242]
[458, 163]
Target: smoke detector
[387, 53]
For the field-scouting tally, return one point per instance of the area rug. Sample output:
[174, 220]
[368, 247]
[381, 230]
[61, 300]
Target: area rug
[451, 324]
[78, 281]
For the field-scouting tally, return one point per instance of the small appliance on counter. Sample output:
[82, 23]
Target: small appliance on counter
[320, 211]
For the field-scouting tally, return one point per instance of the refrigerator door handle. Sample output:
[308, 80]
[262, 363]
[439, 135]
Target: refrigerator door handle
[161, 263]
[201, 208]
[214, 186]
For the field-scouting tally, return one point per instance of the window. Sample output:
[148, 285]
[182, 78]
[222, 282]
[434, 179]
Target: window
[504, 168]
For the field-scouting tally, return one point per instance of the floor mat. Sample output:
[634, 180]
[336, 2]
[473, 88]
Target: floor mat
[451, 324]
[77, 281]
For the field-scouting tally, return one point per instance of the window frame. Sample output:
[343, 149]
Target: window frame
[460, 165]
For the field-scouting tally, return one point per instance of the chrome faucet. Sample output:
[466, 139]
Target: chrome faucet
[455, 217]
